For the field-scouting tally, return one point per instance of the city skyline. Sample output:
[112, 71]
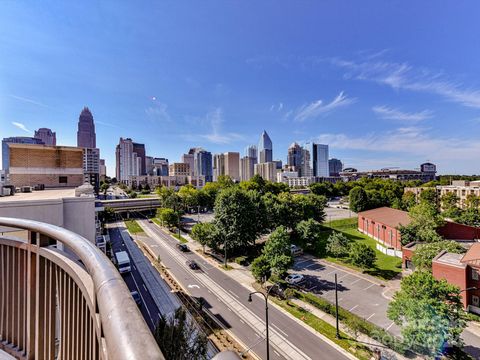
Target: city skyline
[380, 98]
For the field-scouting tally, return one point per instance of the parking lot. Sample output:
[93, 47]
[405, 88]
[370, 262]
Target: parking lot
[356, 293]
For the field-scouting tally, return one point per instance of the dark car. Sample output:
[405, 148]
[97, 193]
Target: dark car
[192, 265]
[136, 297]
[150, 221]
[183, 247]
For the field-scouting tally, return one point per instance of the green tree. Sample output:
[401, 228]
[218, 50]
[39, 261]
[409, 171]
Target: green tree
[362, 255]
[235, 219]
[424, 253]
[470, 217]
[337, 244]
[472, 202]
[425, 220]
[168, 197]
[104, 187]
[309, 234]
[205, 234]
[168, 216]
[324, 188]
[179, 338]
[261, 268]
[449, 206]
[429, 311]
[133, 195]
[358, 199]
[256, 183]
[188, 195]
[277, 251]
[408, 200]
[429, 196]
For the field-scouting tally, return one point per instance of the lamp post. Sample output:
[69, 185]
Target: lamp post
[266, 315]
[337, 334]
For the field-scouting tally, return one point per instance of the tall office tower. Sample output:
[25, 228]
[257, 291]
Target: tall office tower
[335, 167]
[127, 162]
[91, 167]
[252, 152]
[47, 136]
[149, 165]
[139, 149]
[247, 168]
[265, 148]
[202, 163]
[305, 167]
[86, 130]
[268, 171]
[103, 170]
[160, 166]
[232, 165]
[179, 169]
[16, 140]
[320, 160]
[294, 157]
[218, 166]
[188, 159]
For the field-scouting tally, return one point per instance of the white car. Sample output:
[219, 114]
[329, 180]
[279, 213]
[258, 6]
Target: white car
[294, 279]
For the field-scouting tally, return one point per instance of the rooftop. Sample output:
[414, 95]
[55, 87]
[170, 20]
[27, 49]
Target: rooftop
[450, 259]
[387, 216]
[50, 194]
[472, 256]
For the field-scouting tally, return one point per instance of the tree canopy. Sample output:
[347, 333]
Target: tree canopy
[424, 253]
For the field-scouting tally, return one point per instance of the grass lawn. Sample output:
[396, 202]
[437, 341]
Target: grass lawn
[142, 196]
[386, 267]
[345, 341]
[133, 227]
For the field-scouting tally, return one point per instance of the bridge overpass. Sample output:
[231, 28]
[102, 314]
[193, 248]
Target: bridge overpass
[124, 205]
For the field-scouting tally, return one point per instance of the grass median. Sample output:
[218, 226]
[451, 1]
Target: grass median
[134, 228]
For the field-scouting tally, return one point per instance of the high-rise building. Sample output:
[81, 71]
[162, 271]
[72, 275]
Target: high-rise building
[160, 166]
[305, 167]
[103, 170]
[47, 136]
[127, 161]
[232, 165]
[218, 166]
[252, 152]
[139, 149]
[16, 140]
[335, 167]
[320, 160]
[149, 165]
[268, 171]
[91, 167]
[202, 163]
[247, 168]
[179, 169]
[265, 148]
[294, 157]
[86, 137]
[188, 159]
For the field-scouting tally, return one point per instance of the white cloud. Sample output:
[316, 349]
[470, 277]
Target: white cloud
[215, 119]
[388, 113]
[402, 76]
[317, 108]
[30, 101]
[20, 126]
[158, 112]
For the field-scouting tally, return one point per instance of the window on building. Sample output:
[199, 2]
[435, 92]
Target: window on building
[475, 300]
[62, 179]
[474, 274]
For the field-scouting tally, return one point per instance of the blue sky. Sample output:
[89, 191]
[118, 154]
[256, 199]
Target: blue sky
[383, 83]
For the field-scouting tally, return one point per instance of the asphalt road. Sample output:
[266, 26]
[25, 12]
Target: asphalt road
[229, 295]
[134, 281]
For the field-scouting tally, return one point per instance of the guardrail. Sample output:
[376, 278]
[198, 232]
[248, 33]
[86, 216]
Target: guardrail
[62, 298]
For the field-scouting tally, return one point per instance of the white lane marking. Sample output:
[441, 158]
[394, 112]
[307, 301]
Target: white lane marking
[308, 266]
[355, 281]
[368, 287]
[301, 262]
[389, 326]
[331, 272]
[312, 288]
[276, 353]
[134, 268]
[243, 322]
[368, 318]
[194, 286]
[353, 307]
[143, 301]
[229, 309]
[231, 292]
[278, 329]
[145, 287]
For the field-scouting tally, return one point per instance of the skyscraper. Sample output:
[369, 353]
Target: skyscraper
[247, 168]
[218, 166]
[232, 165]
[47, 136]
[305, 167]
[86, 137]
[265, 148]
[335, 167]
[294, 157]
[252, 152]
[139, 149]
[127, 161]
[202, 163]
[320, 160]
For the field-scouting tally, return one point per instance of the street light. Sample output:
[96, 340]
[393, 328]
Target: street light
[469, 288]
[266, 314]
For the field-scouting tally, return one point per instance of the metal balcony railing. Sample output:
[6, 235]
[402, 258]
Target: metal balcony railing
[70, 304]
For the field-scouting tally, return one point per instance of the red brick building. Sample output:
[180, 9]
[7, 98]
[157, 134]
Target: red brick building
[463, 271]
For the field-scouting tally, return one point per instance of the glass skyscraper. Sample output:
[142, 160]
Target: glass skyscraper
[320, 160]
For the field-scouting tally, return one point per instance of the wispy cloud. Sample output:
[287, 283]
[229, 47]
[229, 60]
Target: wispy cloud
[318, 108]
[106, 124]
[388, 113]
[215, 120]
[20, 126]
[30, 101]
[158, 112]
[403, 76]
[277, 107]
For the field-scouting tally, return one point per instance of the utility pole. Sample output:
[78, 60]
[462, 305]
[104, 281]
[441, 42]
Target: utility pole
[337, 335]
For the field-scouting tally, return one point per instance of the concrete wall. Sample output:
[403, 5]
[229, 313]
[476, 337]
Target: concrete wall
[388, 236]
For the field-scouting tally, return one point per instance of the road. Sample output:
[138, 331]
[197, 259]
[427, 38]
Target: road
[359, 295]
[228, 300]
